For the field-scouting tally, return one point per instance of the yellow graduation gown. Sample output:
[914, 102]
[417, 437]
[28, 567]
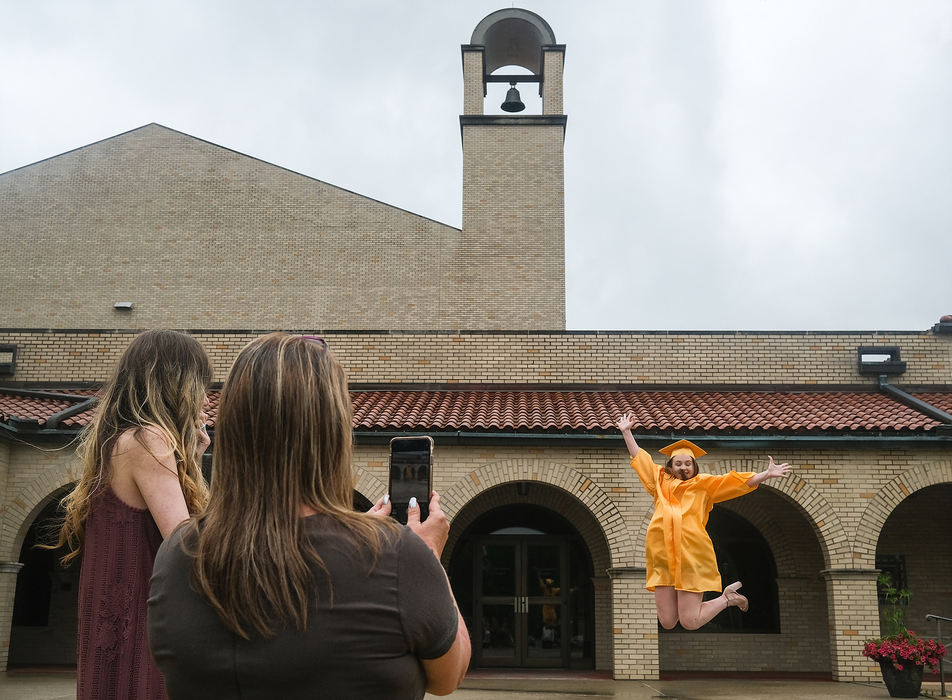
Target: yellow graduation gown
[678, 550]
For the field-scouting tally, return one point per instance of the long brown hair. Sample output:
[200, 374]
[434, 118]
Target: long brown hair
[283, 440]
[160, 382]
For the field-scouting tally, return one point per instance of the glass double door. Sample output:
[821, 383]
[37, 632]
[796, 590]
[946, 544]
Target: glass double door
[522, 602]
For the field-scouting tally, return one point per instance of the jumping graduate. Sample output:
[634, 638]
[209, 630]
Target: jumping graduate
[679, 554]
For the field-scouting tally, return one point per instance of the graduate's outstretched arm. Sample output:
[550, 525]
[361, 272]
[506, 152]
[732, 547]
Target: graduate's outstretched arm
[625, 424]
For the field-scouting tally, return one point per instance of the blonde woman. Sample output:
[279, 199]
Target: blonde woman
[140, 478]
[279, 589]
[679, 554]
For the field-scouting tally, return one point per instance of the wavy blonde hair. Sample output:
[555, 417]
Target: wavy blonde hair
[283, 440]
[160, 382]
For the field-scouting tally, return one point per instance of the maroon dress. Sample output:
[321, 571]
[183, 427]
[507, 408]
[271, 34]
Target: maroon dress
[113, 658]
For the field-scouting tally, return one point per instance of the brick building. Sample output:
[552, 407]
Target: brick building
[460, 333]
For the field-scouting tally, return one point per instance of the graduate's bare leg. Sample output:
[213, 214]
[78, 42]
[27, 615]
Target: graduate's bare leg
[695, 612]
[666, 600]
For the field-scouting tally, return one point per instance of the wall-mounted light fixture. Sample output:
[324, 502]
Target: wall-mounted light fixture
[123, 305]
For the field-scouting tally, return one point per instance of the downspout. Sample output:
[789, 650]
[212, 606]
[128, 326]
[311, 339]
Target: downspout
[54, 421]
[918, 404]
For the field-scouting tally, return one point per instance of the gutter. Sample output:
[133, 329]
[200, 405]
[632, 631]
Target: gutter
[940, 437]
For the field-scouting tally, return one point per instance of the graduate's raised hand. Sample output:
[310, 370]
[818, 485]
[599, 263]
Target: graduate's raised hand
[775, 471]
[626, 421]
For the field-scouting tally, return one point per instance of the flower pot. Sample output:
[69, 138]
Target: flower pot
[902, 684]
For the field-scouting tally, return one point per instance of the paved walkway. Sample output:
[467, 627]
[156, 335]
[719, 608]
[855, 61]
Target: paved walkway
[61, 686]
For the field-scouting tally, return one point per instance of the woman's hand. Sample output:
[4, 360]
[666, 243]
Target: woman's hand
[626, 422]
[775, 471]
[381, 507]
[435, 530]
[203, 440]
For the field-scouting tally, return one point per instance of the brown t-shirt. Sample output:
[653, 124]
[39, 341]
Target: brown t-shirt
[367, 643]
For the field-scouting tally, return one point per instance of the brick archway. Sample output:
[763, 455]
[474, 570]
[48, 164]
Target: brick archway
[884, 503]
[22, 508]
[615, 533]
[368, 485]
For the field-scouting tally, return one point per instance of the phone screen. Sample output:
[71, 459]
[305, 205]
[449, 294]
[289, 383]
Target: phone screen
[411, 467]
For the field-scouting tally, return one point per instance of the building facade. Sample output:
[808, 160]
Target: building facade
[460, 334]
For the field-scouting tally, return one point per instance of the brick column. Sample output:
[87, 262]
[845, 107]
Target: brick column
[473, 87]
[853, 611]
[552, 59]
[602, 585]
[634, 626]
[8, 589]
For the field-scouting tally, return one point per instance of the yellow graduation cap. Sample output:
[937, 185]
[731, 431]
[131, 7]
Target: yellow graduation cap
[682, 447]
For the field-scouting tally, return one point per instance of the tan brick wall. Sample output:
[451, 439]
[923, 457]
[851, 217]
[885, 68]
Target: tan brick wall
[582, 358]
[816, 520]
[196, 235]
[513, 214]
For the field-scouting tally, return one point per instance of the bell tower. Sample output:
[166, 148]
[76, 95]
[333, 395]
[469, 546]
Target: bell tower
[509, 266]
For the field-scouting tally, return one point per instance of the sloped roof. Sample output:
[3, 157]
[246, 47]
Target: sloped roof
[765, 413]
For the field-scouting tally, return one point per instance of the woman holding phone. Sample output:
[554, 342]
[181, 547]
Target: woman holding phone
[280, 589]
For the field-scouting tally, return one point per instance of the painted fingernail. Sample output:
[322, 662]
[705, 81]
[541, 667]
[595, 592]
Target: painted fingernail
[413, 503]
[386, 499]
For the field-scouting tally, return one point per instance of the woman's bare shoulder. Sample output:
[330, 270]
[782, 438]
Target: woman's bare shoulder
[137, 443]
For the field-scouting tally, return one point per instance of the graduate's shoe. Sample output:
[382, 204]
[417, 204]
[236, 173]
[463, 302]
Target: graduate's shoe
[733, 598]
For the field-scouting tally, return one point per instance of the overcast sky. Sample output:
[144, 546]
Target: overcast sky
[732, 165]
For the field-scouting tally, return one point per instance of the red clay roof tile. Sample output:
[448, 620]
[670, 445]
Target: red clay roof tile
[743, 412]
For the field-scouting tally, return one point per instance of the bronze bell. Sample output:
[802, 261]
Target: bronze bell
[513, 101]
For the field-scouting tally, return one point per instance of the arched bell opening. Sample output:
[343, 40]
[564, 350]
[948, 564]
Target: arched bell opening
[526, 579]
[499, 95]
[514, 63]
[44, 625]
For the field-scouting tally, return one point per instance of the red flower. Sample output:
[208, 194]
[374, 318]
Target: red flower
[905, 648]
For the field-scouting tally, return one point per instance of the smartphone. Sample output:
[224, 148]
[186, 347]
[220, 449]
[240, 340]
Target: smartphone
[411, 474]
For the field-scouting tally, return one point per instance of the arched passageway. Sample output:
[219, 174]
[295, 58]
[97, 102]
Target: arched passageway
[913, 549]
[526, 580]
[43, 631]
[768, 541]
